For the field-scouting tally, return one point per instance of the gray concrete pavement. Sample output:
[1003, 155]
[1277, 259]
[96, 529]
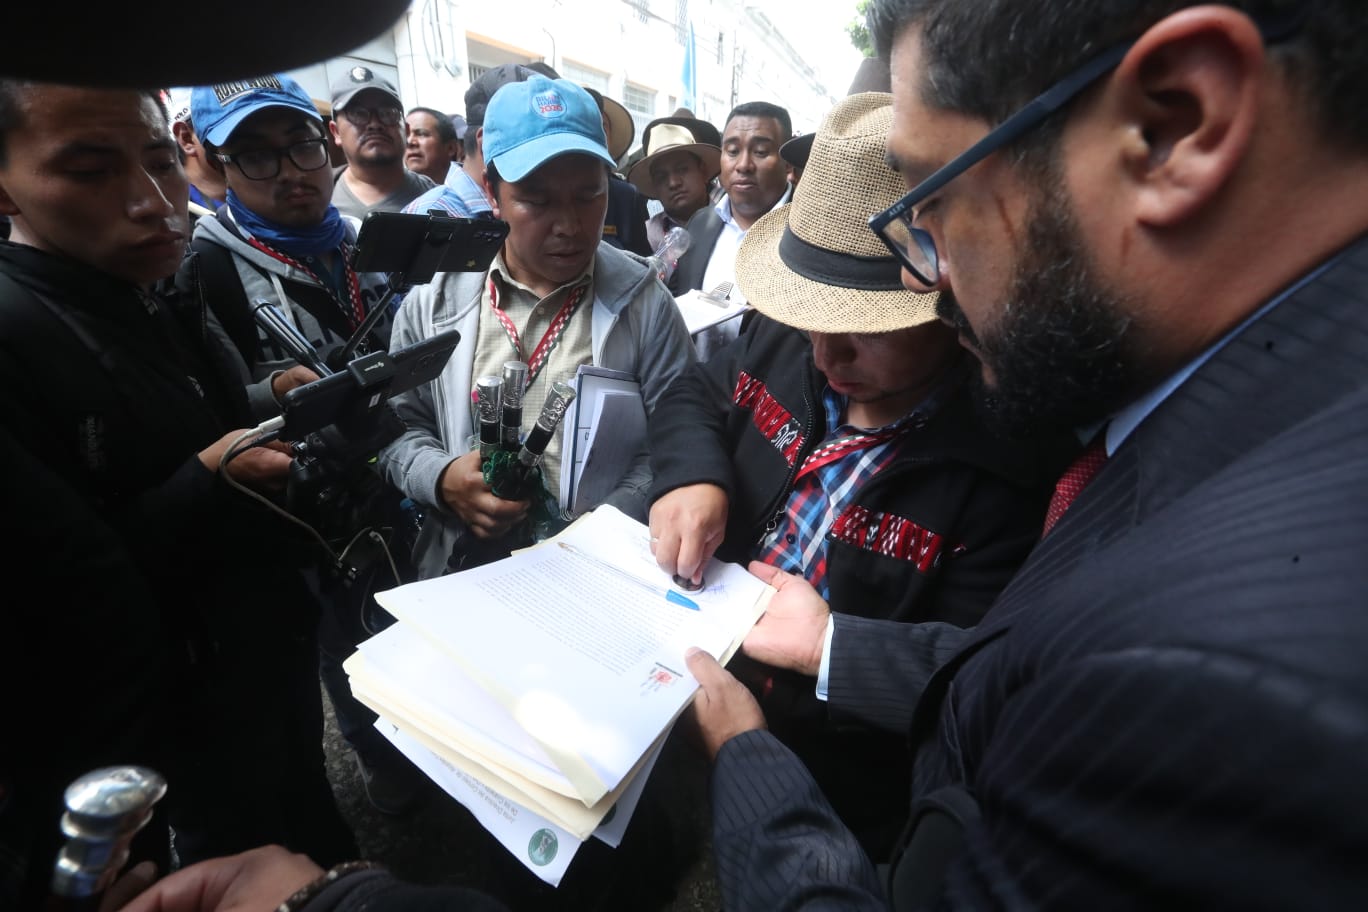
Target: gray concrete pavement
[664, 864]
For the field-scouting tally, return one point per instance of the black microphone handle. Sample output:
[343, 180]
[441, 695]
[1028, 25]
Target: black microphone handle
[343, 356]
[269, 318]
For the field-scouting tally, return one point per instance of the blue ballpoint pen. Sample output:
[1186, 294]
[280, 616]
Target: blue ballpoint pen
[666, 592]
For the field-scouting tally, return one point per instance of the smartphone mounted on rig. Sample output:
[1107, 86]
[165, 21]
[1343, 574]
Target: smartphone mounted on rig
[413, 248]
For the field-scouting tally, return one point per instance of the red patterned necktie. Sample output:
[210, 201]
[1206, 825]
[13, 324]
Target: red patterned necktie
[1075, 479]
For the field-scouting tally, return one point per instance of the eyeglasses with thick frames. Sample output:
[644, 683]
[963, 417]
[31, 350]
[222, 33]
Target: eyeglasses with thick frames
[264, 164]
[896, 225]
[359, 116]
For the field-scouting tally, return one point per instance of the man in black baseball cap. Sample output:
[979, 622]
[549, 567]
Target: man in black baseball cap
[476, 100]
[368, 125]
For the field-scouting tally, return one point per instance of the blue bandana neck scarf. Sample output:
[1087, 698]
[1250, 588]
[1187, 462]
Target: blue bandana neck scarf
[323, 238]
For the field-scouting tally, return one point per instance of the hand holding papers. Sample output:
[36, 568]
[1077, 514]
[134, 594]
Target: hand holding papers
[551, 677]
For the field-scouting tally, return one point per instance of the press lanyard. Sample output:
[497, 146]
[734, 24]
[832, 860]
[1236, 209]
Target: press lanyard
[549, 339]
[358, 312]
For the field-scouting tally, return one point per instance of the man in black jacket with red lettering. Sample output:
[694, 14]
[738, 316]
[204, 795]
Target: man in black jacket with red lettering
[850, 453]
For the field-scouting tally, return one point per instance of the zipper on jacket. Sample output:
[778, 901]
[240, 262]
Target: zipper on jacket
[776, 510]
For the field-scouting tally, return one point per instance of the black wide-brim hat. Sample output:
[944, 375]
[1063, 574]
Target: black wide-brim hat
[702, 131]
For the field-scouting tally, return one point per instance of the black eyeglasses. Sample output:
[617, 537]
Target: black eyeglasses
[264, 164]
[896, 225]
[359, 116]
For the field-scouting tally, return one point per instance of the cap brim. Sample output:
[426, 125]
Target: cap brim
[778, 292]
[640, 174]
[219, 133]
[522, 160]
[342, 100]
[301, 32]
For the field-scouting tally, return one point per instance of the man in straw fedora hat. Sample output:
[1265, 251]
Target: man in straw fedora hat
[836, 439]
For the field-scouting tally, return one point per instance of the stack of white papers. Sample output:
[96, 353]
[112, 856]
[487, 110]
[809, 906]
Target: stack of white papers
[537, 690]
[701, 310]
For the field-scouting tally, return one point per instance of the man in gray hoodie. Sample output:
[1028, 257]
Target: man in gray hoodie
[278, 238]
[555, 297]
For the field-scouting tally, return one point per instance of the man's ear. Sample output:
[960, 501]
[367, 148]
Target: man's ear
[332, 131]
[185, 138]
[1188, 92]
[489, 192]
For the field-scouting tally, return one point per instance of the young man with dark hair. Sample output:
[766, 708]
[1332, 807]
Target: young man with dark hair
[1168, 706]
[139, 402]
[755, 179]
[279, 239]
[557, 296]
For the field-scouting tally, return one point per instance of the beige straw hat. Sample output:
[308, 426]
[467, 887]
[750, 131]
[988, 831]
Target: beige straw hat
[814, 263]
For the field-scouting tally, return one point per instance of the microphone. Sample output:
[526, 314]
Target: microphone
[270, 318]
[510, 418]
[558, 399]
[489, 403]
[343, 355]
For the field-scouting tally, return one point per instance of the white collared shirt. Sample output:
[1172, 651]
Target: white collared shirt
[722, 262]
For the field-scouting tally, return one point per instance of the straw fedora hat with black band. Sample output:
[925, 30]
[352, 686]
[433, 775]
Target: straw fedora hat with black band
[662, 138]
[814, 264]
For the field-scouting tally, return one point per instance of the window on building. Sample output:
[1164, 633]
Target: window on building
[477, 70]
[585, 76]
[638, 100]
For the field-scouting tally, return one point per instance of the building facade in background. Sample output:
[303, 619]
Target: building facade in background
[636, 51]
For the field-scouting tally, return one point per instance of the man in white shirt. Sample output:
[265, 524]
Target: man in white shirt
[756, 180]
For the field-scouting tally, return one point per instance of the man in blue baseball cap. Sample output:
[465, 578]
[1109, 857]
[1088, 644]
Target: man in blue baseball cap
[555, 297]
[279, 238]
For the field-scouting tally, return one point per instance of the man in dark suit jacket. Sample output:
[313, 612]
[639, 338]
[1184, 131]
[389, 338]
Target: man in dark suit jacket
[756, 181]
[1168, 706]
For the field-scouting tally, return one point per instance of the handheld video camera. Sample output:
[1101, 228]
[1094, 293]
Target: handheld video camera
[338, 422]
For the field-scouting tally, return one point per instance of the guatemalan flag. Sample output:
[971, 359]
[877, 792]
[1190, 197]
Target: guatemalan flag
[690, 74]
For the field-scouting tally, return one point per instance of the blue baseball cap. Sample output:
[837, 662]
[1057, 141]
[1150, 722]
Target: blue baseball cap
[217, 110]
[529, 123]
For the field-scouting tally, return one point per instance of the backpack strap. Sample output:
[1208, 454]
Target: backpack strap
[222, 291]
